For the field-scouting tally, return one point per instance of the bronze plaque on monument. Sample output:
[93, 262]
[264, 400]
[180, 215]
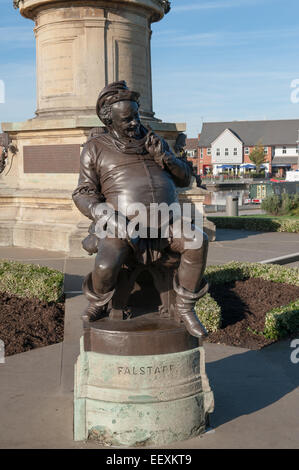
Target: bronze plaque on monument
[52, 158]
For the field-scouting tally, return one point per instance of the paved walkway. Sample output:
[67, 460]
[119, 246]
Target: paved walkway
[237, 245]
[256, 392]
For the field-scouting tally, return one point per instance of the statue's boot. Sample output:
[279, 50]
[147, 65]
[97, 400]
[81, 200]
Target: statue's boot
[98, 303]
[184, 308]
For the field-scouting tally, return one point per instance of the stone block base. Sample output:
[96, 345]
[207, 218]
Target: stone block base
[36, 207]
[135, 401]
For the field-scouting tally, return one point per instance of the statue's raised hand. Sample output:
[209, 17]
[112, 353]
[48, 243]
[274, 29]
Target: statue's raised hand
[155, 146]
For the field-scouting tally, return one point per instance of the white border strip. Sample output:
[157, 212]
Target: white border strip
[286, 259]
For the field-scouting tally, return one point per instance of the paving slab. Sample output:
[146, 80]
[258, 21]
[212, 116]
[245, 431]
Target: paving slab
[29, 254]
[256, 392]
[256, 401]
[242, 245]
[230, 245]
[75, 270]
[73, 330]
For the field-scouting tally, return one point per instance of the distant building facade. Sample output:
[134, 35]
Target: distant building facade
[228, 145]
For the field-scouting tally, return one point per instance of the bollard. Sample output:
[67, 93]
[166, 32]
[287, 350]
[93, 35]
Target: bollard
[232, 208]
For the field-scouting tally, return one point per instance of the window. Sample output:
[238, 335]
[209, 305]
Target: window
[218, 152]
[226, 152]
[246, 151]
[191, 153]
[284, 150]
[201, 153]
[265, 150]
[209, 151]
[235, 152]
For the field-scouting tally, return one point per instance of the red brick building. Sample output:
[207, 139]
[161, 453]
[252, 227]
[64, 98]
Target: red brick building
[227, 146]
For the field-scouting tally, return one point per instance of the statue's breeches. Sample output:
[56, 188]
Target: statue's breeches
[114, 252]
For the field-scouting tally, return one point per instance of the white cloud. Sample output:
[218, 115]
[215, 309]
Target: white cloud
[215, 5]
[222, 38]
[235, 75]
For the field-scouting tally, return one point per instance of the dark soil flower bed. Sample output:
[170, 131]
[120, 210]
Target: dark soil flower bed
[29, 323]
[244, 305]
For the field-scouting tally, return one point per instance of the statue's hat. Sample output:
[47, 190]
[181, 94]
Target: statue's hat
[114, 92]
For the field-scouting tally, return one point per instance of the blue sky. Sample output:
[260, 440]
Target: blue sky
[212, 60]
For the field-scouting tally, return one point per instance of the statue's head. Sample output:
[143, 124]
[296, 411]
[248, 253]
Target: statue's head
[118, 109]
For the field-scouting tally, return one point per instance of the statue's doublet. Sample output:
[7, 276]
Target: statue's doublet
[124, 177]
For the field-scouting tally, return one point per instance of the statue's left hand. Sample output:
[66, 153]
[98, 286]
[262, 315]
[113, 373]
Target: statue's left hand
[154, 145]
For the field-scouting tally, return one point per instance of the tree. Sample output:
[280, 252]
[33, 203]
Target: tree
[257, 156]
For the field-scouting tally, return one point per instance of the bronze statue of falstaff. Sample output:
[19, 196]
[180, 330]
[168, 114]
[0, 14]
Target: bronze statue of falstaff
[126, 163]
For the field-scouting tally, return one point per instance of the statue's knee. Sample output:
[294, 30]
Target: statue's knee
[104, 268]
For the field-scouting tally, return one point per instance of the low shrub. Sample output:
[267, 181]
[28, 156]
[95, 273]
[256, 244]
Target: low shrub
[209, 313]
[282, 321]
[256, 175]
[285, 204]
[29, 280]
[278, 323]
[257, 224]
[271, 204]
[236, 271]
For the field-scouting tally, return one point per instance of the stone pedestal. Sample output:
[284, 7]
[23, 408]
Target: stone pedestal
[80, 47]
[196, 197]
[145, 399]
[36, 207]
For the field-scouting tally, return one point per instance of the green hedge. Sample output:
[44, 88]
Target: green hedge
[282, 321]
[236, 271]
[278, 323]
[209, 313]
[257, 224]
[29, 280]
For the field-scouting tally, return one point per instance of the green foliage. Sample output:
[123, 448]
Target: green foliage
[29, 280]
[257, 224]
[209, 313]
[279, 322]
[256, 175]
[257, 156]
[286, 204]
[271, 204]
[282, 321]
[236, 271]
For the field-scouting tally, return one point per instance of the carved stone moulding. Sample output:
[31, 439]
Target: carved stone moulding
[158, 8]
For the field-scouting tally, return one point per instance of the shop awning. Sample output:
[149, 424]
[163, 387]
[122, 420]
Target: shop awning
[226, 167]
[281, 165]
[247, 166]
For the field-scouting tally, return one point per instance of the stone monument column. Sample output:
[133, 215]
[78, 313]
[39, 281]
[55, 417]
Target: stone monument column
[83, 46]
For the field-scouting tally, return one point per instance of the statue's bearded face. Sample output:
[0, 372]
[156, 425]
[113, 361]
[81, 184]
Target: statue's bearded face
[126, 119]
